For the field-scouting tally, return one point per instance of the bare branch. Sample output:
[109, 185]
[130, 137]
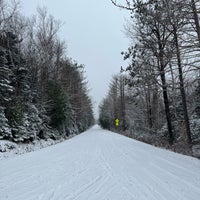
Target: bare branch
[127, 5]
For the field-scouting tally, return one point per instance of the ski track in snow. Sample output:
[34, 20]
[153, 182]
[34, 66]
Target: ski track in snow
[100, 165]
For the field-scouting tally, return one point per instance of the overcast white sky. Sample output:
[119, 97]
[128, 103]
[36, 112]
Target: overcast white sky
[93, 30]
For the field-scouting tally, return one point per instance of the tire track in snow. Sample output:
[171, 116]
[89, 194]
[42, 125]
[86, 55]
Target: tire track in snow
[151, 179]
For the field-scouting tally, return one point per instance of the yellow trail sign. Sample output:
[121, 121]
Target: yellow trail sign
[117, 122]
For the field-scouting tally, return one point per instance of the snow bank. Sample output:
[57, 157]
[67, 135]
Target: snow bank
[11, 149]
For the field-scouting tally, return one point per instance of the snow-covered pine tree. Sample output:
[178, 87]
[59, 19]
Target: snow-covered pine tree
[6, 89]
[15, 91]
[58, 107]
[5, 130]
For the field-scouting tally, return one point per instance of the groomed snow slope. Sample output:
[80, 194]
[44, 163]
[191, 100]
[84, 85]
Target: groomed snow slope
[100, 165]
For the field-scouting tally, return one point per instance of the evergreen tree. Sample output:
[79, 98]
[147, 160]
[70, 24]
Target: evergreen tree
[42, 93]
[105, 118]
[6, 74]
[58, 106]
[5, 129]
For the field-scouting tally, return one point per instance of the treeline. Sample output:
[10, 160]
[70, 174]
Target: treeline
[159, 93]
[43, 94]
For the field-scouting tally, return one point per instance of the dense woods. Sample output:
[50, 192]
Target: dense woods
[43, 93]
[157, 94]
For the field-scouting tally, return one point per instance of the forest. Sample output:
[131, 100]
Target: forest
[156, 97]
[43, 92]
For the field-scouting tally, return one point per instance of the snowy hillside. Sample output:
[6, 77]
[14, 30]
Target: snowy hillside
[100, 165]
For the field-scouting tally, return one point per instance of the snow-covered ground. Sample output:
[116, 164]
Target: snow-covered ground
[100, 165]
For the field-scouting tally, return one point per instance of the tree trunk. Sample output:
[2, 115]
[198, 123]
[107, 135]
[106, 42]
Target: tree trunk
[182, 88]
[173, 92]
[196, 19]
[155, 109]
[164, 91]
[166, 103]
[115, 99]
[149, 109]
[122, 98]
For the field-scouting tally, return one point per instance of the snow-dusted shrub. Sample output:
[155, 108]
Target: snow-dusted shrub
[6, 146]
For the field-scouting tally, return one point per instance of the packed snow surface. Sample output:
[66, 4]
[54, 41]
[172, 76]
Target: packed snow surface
[100, 165]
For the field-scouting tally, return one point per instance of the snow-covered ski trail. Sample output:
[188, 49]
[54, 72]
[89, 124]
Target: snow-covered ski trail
[100, 165]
